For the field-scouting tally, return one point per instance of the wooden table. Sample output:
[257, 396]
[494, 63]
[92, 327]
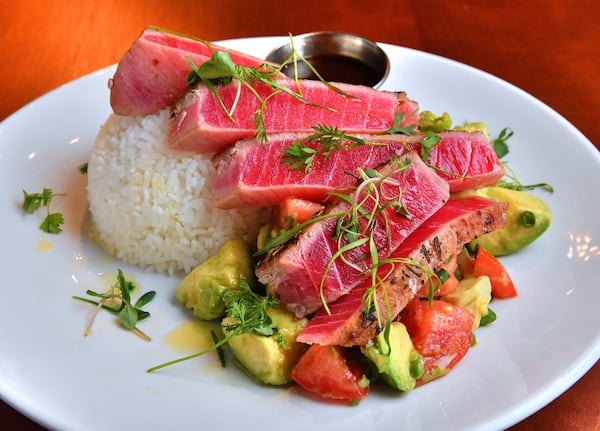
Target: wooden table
[549, 49]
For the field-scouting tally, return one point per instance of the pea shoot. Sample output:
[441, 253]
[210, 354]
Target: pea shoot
[511, 182]
[499, 144]
[117, 300]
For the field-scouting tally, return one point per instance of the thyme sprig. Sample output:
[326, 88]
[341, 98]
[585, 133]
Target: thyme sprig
[327, 139]
[249, 311]
[117, 300]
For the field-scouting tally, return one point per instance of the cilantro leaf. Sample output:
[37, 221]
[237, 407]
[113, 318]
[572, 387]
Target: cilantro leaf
[31, 202]
[34, 201]
[52, 223]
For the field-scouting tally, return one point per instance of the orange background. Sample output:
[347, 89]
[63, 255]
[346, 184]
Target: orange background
[551, 49]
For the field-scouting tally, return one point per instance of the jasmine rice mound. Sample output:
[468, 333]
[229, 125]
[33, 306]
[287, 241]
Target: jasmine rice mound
[151, 205]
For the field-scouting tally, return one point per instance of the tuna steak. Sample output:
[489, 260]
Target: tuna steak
[443, 235]
[201, 124]
[252, 174]
[152, 73]
[481, 169]
[306, 271]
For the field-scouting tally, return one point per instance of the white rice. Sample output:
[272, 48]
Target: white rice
[151, 205]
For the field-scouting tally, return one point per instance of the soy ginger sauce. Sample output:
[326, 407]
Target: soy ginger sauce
[335, 68]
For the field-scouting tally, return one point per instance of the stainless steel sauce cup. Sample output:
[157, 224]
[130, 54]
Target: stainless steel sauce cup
[337, 57]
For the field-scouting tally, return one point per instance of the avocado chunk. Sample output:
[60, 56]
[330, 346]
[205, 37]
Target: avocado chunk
[428, 121]
[202, 289]
[474, 127]
[527, 218]
[269, 359]
[473, 294]
[398, 361]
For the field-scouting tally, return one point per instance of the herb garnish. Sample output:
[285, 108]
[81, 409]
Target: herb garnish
[400, 126]
[363, 218]
[327, 139]
[117, 300]
[512, 183]
[249, 312]
[499, 144]
[33, 201]
[488, 318]
[510, 180]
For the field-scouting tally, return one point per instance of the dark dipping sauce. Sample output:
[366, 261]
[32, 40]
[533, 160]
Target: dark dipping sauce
[336, 68]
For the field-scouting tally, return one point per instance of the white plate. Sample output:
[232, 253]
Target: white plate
[542, 342]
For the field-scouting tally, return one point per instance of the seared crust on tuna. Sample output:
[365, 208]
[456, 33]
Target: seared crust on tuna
[444, 235]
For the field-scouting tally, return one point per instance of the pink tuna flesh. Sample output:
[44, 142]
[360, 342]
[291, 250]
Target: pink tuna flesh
[441, 236]
[152, 73]
[200, 123]
[304, 272]
[252, 174]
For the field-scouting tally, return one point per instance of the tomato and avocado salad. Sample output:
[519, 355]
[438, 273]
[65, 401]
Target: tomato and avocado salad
[424, 341]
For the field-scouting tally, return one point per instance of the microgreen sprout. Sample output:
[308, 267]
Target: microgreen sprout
[249, 314]
[499, 144]
[511, 182]
[117, 300]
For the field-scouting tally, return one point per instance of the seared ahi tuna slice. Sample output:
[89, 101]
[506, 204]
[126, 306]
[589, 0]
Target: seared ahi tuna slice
[252, 174]
[485, 168]
[201, 124]
[152, 73]
[443, 235]
[466, 160]
[306, 271]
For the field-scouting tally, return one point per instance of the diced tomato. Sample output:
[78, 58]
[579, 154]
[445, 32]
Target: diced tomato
[325, 371]
[441, 333]
[488, 264]
[293, 211]
[448, 286]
